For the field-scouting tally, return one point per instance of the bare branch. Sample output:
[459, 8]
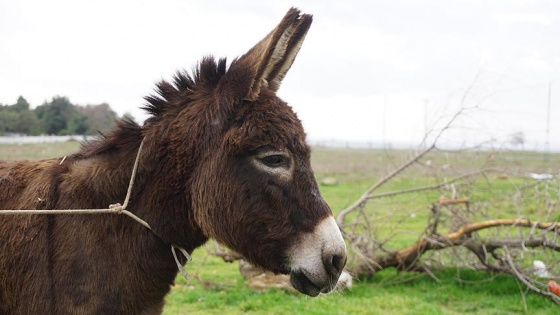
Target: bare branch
[360, 202]
[430, 187]
[523, 278]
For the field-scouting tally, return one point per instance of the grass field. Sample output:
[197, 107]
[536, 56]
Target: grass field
[216, 287]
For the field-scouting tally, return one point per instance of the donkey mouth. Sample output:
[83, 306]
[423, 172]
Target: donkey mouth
[304, 285]
[317, 259]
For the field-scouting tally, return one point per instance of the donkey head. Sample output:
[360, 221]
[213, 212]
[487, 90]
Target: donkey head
[252, 187]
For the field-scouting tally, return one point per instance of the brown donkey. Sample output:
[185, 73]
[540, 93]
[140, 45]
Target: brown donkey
[223, 157]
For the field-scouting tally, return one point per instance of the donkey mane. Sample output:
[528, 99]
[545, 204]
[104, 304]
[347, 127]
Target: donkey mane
[184, 88]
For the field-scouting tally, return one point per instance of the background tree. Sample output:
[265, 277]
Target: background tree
[98, 117]
[27, 123]
[7, 120]
[21, 105]
[18, 118]
[60, 117]
[54, 115]
[57, 117]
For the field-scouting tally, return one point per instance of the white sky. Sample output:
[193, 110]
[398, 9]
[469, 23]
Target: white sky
[368, 71]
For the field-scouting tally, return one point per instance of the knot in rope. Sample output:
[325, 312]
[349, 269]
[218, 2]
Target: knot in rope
[117, 207]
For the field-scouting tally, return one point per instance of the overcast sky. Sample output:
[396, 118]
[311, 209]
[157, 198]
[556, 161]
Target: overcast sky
[368, 71]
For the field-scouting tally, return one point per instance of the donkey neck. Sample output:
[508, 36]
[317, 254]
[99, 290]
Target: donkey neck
[165, 205]
[106, 169]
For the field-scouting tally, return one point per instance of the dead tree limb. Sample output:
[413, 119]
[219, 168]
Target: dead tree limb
[407, 258]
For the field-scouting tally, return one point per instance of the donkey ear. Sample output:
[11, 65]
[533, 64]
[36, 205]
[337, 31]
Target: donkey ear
[268, 61]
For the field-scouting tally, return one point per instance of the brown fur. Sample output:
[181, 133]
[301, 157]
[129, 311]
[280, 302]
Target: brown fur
[194, 181]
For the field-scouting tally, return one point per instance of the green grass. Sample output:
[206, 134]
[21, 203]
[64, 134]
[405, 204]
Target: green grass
[216, 287]
[463, 292]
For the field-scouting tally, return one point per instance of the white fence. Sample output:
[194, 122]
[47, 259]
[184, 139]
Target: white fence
[44, 139]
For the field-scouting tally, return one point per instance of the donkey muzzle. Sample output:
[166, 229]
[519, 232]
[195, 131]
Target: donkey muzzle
[318, 258]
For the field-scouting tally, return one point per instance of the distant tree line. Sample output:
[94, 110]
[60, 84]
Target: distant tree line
[57, 117]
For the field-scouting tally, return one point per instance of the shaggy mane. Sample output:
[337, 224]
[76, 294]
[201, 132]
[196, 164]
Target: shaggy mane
[182, 89]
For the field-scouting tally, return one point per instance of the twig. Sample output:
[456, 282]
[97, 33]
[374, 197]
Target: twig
[523, 278]
[359, 203]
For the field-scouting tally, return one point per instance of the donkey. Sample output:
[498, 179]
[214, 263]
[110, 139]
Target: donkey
[222, 157]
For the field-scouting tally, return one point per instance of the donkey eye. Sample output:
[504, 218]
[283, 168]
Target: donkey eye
[275, 160]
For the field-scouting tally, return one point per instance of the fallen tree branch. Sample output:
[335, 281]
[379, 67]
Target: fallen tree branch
[228, 255]
[407, 258]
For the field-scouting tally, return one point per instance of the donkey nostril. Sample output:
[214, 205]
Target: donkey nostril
[334, 264]
[339, 262]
